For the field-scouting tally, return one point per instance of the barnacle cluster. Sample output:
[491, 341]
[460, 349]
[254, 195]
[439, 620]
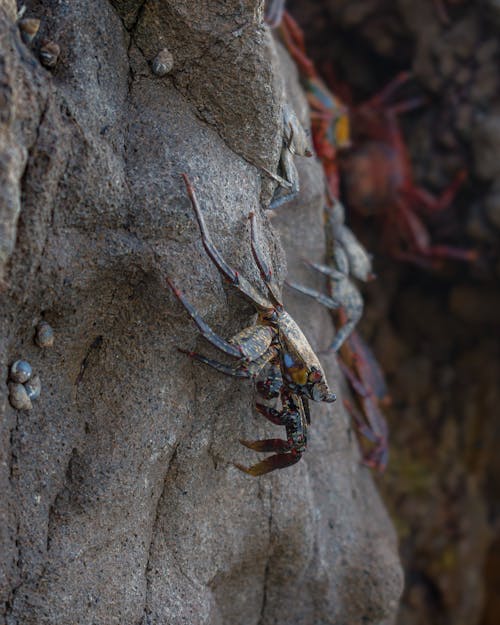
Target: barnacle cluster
[24, 387]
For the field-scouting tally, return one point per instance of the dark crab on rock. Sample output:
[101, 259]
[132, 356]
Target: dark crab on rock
[274, 352]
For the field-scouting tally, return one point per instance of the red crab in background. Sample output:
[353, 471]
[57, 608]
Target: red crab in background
[375, 167]
[378, 180]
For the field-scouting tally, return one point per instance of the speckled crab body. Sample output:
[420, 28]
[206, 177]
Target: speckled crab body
[274, 352]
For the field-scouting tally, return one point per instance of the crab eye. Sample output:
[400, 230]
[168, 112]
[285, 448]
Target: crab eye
[295, 370]
[315, 375]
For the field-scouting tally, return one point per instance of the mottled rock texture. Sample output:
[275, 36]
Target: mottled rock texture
[119, 502]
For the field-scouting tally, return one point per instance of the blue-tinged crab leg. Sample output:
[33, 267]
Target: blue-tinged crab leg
[343, 333]
[326, 270]
[329, 302]
[265, 272]
[233, 277]
[205, 330]
[241, 370]
[273, 12]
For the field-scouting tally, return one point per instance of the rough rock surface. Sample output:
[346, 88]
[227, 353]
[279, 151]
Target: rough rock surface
[119, 500]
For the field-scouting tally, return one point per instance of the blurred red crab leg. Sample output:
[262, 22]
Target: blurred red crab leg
[380, 98]
[443, 201]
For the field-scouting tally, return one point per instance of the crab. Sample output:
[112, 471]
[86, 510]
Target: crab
[295, 141]
[366, 379]
[273, 12]
[348, 258]
[273, 352]
[377, 178]
[356, 360]
[376, 172]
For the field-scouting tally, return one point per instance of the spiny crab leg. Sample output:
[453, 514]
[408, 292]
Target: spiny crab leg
[329, 302]
[241, 370]
[233, 277]
[265, 271]
[274, 352]
[205, 330]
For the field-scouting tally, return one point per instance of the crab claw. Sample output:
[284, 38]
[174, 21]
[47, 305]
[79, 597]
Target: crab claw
[268, 444]
[279, 461]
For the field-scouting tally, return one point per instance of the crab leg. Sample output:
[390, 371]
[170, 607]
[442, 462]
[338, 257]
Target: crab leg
[233, 277]
[268, 444]
[241, 370]
[356, 384]
[293, 38]
[380, 98]
[329, 302]
[443, 201]
[421, 241]
[361, 426]
[379, 454]
[344, 332]
[271, 414]
[406, 106]
[326, 270]
[279, 461]
[205, 330]
[273, 12]
[265, 271]
[294, 416]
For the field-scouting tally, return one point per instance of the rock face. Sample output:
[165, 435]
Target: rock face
[119, 500]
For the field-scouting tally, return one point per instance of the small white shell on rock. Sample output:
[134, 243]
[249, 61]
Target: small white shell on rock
[33, 387]
[20, 371]
[49, 53]
[44, 336]
[18, 397]
[163, 63]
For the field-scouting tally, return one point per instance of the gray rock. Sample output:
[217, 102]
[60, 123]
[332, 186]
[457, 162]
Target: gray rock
[119, 498]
